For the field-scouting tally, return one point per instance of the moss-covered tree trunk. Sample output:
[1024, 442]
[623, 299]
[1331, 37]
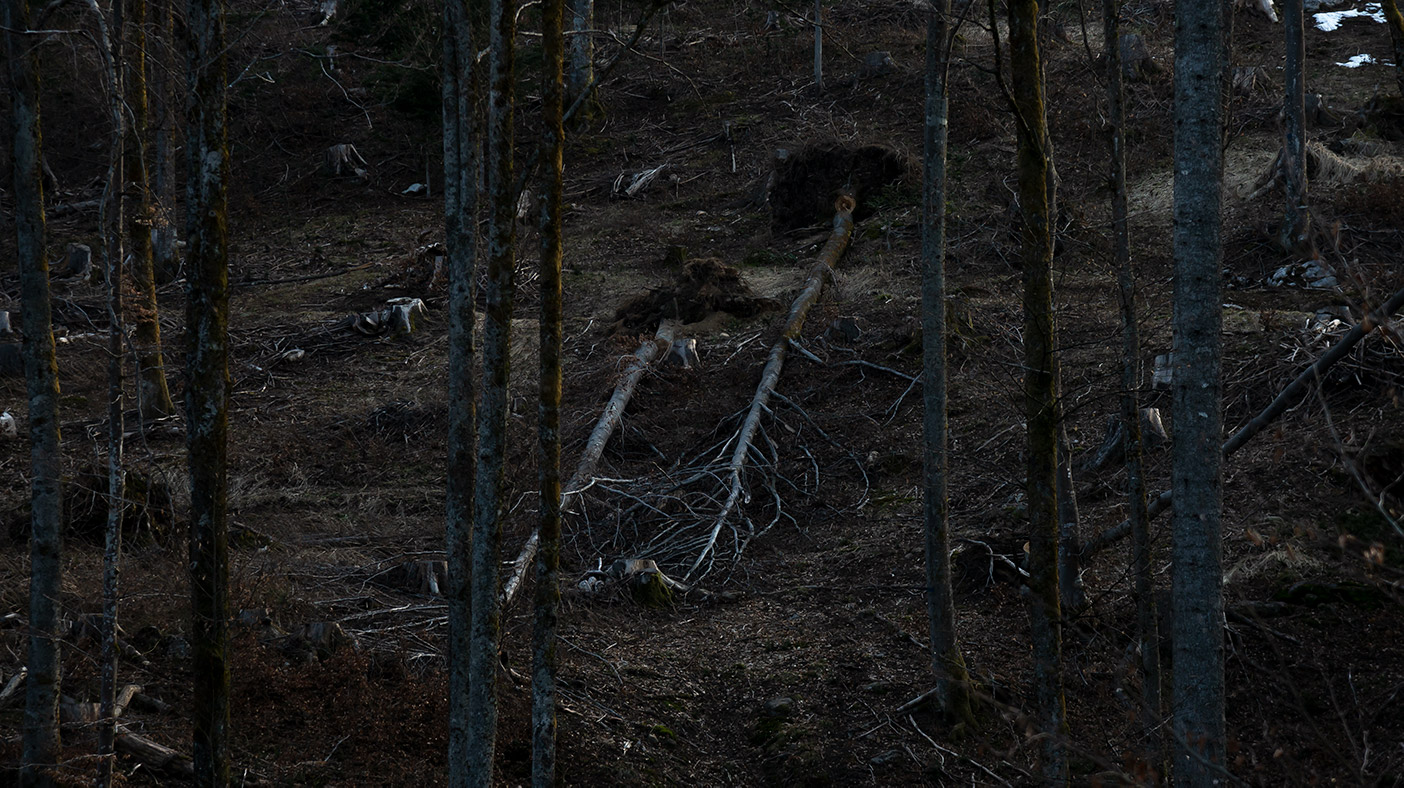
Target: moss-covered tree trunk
[948, 664]
[485, 622]
[207, 382]
[548, 596]
[41, 703]
[1147, 631]
[1395, 20]
[153, 395]
[1198, 730]
[461, 172]
[1040, 379]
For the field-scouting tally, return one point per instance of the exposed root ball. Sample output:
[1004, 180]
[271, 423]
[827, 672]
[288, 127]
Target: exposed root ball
[704, 286]
[806, 182]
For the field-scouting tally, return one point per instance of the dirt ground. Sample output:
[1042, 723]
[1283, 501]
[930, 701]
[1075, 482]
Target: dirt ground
[793, 661]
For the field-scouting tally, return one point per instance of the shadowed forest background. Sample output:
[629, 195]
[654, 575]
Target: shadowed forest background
[700, 187]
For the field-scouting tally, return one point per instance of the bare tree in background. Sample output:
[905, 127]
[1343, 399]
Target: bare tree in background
[161, 62]
[207, 381]
[114, 205]
[1198, 689]
[1147, 631]
[41, 718]
[580, 74]
[1040, 379]
[461, 171]
[153, 394]
[485, 621]
[952, 694]
[548, 556]
[1295, 236]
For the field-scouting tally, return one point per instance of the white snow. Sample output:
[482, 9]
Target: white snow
[1331, 20]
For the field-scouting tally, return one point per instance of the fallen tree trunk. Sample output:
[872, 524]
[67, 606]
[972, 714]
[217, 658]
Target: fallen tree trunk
[814, 285]
[1284, 400]
[634, 367]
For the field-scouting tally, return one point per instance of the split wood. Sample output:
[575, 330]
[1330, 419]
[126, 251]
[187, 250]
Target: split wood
[634, 367]
[828, 259]
[1375, 319]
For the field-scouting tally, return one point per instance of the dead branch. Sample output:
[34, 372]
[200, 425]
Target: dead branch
[814, 285]
[1289, 395]
[634, 367]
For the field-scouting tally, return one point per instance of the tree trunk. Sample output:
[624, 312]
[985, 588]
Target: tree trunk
[114, 209]
[548, 593]
[153, 395]
[952, 692]
[461, 173]
[818, 46]
[165, 259]
[485, 632]
[1040, 379]
[1198, 690]
[581, 74]
[1147, 634]
[207, 387]
[770, 376]
[1295, 237]
[41, 710]
[1395, 20]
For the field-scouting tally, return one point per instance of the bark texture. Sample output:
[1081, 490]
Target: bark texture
[1198, 688]
[41, 705]
[1395, 20]
[461, 172]
[115, 209]
[581, 74]
[207, 381]
[952, 692]
[548, 557]
[1295, 237]
[485, 621]
[161, 58]
[1147, 631]
[1040, 379]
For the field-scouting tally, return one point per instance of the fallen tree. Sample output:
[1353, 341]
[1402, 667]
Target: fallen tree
[634, 367]
[821, 270]
[1285, 399]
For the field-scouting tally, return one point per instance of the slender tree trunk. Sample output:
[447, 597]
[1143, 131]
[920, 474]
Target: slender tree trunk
[548, 595]
[818, 46]
[461, 173]
[1198, 697]
[1395, 20]
[485, 634]
[1040, 380]
[947, 662]
[207, 382]
[41, 721]
[581, 72]
[113, 212]
[1070, 591]
[153, 395]
[1147, 634]
[1295, 237]
[162, 61]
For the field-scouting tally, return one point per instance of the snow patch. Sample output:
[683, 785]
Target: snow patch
[1331, 20]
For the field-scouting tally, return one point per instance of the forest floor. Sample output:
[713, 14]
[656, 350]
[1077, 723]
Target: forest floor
[792, 663]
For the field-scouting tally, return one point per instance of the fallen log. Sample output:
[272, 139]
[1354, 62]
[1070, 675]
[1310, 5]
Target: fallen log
[1288, 396]
[823, 267]
[634, 367]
